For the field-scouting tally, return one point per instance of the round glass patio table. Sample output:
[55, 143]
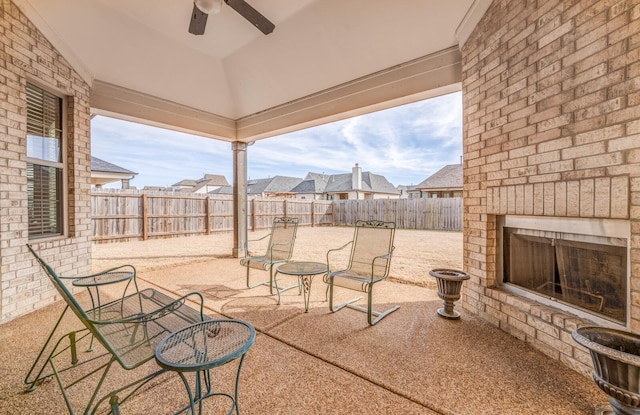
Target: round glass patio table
[200, 347]
[305, 271]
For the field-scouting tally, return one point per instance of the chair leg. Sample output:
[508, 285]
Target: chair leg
[341, 306]
[258, 284]
[32, 382]
[379, 315]
[283, 289]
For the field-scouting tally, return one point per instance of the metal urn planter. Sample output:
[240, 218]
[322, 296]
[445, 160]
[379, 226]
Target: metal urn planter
[616, 366]
[449, 285]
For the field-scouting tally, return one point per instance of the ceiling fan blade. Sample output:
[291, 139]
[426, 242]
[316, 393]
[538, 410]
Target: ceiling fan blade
[252, 15]
[198, 21]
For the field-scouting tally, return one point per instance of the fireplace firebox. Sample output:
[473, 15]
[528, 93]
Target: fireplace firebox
[582, 264]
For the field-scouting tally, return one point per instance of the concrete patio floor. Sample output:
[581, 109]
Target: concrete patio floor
[412, 362]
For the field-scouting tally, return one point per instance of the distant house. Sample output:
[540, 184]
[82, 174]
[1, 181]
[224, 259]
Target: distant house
[222, 191]
[404, 191]
[446, 182]
[103, 172]
[359, 185]
[315, 186]
[204, 185]
[210, 182]
[276, 186]
[312, 187]
[185, 185]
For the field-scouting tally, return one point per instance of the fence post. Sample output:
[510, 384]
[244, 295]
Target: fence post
[144, 217]
[313, 211]
[253, 214]
[285, 207]
[207, 217]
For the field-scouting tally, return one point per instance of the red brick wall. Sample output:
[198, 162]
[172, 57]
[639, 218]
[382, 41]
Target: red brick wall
[25, 55]
[551, 93]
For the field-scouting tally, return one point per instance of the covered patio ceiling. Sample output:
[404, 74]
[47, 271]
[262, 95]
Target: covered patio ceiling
[325, 60]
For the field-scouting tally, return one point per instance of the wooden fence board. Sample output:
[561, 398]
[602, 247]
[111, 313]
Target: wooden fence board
[428, 214]
[132, 215]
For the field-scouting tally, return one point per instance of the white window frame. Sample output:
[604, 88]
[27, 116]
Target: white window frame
[61, 165]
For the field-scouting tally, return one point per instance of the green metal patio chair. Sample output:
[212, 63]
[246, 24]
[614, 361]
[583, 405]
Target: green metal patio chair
[368, 264]
[128, 327]
[279, 250]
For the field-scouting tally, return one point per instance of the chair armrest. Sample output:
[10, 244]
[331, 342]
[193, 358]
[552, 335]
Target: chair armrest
[157, 313]
[246, 244]
[386, 256]
[126, 267]
[331, 251]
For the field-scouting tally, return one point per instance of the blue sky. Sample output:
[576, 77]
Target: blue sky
[406, 144]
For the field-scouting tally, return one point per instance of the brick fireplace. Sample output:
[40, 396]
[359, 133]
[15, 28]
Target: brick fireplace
[551, 94]
[577, 265]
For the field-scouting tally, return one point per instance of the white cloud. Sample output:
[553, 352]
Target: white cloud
[405, 144]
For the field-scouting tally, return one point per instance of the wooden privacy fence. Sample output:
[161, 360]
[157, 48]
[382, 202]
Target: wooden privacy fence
[426, 214]
[134, 215]
[122, 215]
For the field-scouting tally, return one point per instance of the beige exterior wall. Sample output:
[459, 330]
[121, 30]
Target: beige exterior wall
[551, 128]
[25, 55]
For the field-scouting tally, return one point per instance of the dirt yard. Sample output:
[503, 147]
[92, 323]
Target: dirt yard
[415, 254]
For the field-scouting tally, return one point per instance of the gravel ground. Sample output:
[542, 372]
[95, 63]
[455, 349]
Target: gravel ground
[415, 254]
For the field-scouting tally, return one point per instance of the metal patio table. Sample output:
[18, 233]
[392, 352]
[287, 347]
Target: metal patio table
[93, 283]
[305, 271]
[200, 347]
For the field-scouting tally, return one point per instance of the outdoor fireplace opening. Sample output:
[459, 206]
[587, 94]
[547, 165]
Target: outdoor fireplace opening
[584, 266]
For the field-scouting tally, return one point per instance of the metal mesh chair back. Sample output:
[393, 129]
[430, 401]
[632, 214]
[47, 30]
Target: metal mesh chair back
[129, 327]
[371, 241]
[62, 289]
[283, 236]
[369, 263]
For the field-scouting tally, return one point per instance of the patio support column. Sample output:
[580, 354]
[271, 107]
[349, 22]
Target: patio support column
[239, 198]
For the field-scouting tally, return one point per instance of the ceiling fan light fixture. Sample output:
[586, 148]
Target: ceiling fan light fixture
[209, 6]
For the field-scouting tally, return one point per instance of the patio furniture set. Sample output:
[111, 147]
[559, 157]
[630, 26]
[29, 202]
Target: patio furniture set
[369, 260]
[136, 326]
[133, 328]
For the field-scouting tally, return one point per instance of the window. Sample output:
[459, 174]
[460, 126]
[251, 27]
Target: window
[45, 168]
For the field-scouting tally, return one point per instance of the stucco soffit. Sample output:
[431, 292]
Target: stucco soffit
[119, 102]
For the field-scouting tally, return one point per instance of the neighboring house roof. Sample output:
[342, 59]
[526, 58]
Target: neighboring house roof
[313, 183]
[275, 184]
[100, 165]
[216, 179]
[222, 190]
[446, 178]
[370, 183]
[185, 182]
[213, 180]
[307, 186]
[103, 172]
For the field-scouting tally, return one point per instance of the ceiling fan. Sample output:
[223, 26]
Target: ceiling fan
[202, 9]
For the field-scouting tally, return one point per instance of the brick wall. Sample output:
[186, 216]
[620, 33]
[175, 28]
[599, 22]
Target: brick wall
[551, 95]
[25, 55]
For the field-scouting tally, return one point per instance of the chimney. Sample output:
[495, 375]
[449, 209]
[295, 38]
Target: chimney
[356, 178]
